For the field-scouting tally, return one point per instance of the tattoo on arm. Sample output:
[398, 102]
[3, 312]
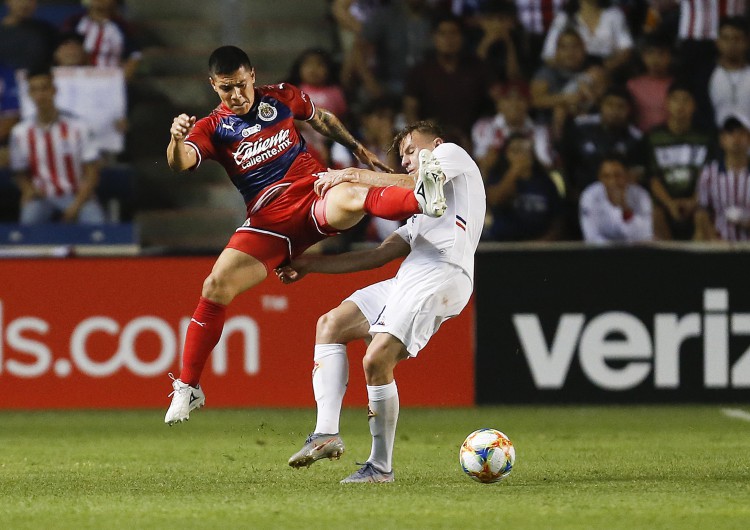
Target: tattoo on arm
[329, 125]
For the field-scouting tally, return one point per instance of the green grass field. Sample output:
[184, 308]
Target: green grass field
[593, 467]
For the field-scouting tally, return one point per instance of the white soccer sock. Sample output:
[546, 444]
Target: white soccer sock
[384, 407]
[330, 377]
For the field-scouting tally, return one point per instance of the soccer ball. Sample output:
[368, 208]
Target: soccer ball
[487, 456]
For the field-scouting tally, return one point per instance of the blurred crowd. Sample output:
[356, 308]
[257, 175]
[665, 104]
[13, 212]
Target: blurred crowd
[53, 152]
[601, 120]
[595, 120]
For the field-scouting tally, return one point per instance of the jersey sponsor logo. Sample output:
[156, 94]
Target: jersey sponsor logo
[266, 112]
[250, 130]
[228, 126]
[249, 154]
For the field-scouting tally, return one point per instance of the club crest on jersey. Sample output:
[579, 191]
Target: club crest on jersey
[266, 112]
[251, 130]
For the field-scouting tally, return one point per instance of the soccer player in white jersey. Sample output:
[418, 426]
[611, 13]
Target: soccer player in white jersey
[397, 316]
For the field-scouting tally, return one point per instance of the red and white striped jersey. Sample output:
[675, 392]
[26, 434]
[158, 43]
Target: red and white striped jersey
[54, 154]
[107, 43]
[536, 15]
[699, 19]
[723, 191]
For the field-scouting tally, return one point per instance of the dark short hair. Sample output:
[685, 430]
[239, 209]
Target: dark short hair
[619, 91]
[446, 17]
[228, 59]
[429, 128]
[613, 156]
[659, 40]
[680, 86]
[39, 69]
[737, 22]
[733, 123]
[69, 36]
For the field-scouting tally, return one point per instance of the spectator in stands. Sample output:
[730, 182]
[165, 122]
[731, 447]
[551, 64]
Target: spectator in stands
[55, 161]
[536, 16]
[677, 152]
[698, 33]
[524, 198]
[567, 86]
[489, 134]
[451, 87]
[8, 110]
[350, 17]
[613, 209]
[375, 131]
[501, 44]
[70, 51]
[729, 86]
[9, 113]
[649, 90]
[396, 38]
[107, 36]
[97, 97]
[604, 31]
[25, 41]
[315, 73]
[724, 187]
[592, 137]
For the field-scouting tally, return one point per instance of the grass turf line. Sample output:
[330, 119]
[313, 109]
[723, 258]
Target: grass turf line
[577, 467]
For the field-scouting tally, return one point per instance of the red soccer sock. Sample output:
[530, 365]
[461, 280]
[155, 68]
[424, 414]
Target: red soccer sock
[203, 333]
[391, 202]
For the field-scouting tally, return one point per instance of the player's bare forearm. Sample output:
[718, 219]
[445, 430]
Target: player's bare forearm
[327, 124]
[359, 260]
[180, 156]
[334, 177]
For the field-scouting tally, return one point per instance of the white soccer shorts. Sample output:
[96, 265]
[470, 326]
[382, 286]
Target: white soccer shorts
[414, 304]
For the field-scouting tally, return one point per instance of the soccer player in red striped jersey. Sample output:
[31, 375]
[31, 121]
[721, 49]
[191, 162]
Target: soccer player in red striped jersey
[253, 136]
[55, 161]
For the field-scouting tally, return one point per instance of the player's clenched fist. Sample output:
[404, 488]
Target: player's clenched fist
[181, 126]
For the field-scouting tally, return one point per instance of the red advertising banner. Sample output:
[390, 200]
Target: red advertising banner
[104, 333]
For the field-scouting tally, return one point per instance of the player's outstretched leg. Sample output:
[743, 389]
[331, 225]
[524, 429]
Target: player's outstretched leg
[185, 398]
[318, 446]
[429, 187]
[368, 473]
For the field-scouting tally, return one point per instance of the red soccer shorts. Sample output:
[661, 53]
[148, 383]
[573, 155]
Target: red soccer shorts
[283, 221]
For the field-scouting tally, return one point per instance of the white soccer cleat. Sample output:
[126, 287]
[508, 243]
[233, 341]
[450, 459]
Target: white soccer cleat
[185, 398]
[429, 187]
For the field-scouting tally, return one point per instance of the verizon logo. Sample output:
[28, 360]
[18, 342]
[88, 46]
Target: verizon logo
[637, 353]
[251, 153]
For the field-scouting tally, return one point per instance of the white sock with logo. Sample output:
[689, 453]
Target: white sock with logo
[330, 377]
[384, 407]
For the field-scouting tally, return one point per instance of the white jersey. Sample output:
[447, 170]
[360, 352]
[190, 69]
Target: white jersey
[602, 221]
[454, 236]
